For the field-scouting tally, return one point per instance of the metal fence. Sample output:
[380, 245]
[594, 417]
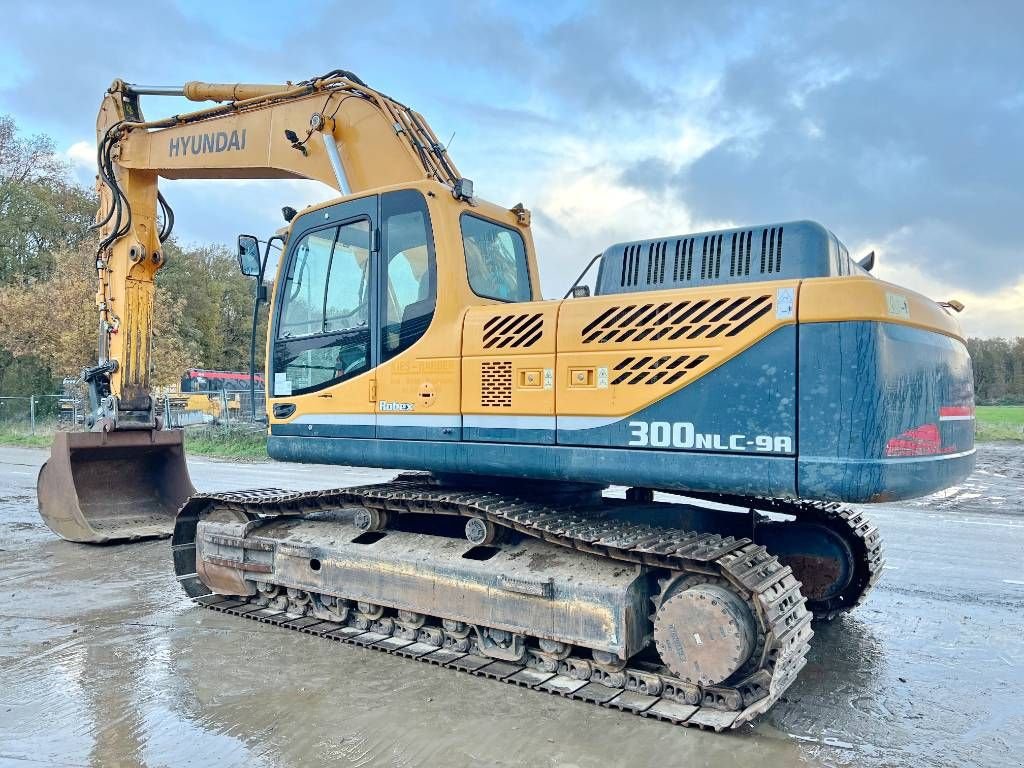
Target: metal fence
[184, 409]
[29, 413]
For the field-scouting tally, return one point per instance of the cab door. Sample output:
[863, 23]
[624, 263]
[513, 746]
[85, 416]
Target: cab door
[325, 329]
[418, 380]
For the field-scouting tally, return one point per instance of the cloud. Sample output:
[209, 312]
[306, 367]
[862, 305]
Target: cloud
[216, 211]
[863, 119]
[897, 125]
[81, 159]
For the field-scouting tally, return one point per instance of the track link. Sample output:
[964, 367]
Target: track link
[851, 525]
[865, 542]
[767, 585]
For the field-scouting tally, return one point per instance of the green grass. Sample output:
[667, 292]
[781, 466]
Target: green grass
[21, 436]
[238, 443]
[999, 422]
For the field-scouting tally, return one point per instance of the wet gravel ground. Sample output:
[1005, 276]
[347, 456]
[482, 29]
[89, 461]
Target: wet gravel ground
[104, 662]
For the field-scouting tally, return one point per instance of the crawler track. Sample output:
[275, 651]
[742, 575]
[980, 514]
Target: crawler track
[865, 542]
[768, 586]
[851, 525]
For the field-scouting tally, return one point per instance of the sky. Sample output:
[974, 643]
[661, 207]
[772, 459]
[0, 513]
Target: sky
[898, 125]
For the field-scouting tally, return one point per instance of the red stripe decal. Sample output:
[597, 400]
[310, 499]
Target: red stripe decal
[955, 410]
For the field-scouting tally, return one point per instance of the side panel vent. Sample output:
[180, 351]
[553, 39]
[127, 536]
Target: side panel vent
[649, 370]
[699, 319]
[711, 258]
[739, 255]
[682, 264]
[771, 250]
[496, 384]
[656, 262]
[513, 331]
[722, 257]
[631, 266]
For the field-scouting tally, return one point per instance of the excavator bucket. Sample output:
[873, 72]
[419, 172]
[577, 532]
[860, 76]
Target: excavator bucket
[104, 488]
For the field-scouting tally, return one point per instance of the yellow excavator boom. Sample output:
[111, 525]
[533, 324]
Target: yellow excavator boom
[334, 129]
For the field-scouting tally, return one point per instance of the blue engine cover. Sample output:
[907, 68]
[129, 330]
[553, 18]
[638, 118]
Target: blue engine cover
[791, 250]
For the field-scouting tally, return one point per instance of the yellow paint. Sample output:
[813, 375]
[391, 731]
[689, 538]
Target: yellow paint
[587, 377]
[575, 355]
[832, 299]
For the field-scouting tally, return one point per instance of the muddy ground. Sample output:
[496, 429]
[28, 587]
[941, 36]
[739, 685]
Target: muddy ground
[103, 661]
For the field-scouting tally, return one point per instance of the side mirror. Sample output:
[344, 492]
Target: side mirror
[249, 255]
[868, 262]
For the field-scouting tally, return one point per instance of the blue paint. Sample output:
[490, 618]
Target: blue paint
[752, 394]
[392, 432]
[509, 435]
[324, 430]
[863, 384]
[840, 392]
[760, 475]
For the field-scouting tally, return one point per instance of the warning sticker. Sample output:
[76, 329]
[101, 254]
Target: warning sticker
[898, 305]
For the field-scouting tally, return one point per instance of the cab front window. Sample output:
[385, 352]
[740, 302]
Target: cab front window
[324, 334]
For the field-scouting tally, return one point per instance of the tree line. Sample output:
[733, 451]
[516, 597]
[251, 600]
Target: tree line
[48, 318]
[998, 370]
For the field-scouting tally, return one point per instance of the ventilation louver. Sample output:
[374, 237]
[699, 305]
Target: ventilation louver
[670, 321]
[667, 369]
[496, 384]
[513, 331]
[646, 264]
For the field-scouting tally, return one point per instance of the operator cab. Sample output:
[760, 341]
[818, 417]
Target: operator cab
[358, 282]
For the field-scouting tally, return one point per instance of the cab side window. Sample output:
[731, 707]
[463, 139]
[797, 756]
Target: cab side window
[323, 335]
[410, 287]
[495, 260]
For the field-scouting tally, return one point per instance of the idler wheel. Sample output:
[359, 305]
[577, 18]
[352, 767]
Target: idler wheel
[479, 531]
[818, 555]
[704, 633]
[371, 519]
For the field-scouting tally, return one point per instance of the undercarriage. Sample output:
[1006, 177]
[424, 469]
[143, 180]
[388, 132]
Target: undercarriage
[664, 610]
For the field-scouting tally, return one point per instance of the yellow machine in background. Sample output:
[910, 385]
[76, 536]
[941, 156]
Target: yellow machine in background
[205, 396]
[759, 368]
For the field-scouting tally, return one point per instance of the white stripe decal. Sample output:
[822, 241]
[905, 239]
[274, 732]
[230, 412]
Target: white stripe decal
[418, 420]
[480, 421]
[888, 460]
[508, 422]
[383, 419]
[956, 418]
[586, 422]
[347, 419]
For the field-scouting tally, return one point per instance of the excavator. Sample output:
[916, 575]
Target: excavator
[742, 386]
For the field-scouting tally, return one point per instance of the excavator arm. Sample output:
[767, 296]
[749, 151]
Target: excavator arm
[333, 129]
[125, 479]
